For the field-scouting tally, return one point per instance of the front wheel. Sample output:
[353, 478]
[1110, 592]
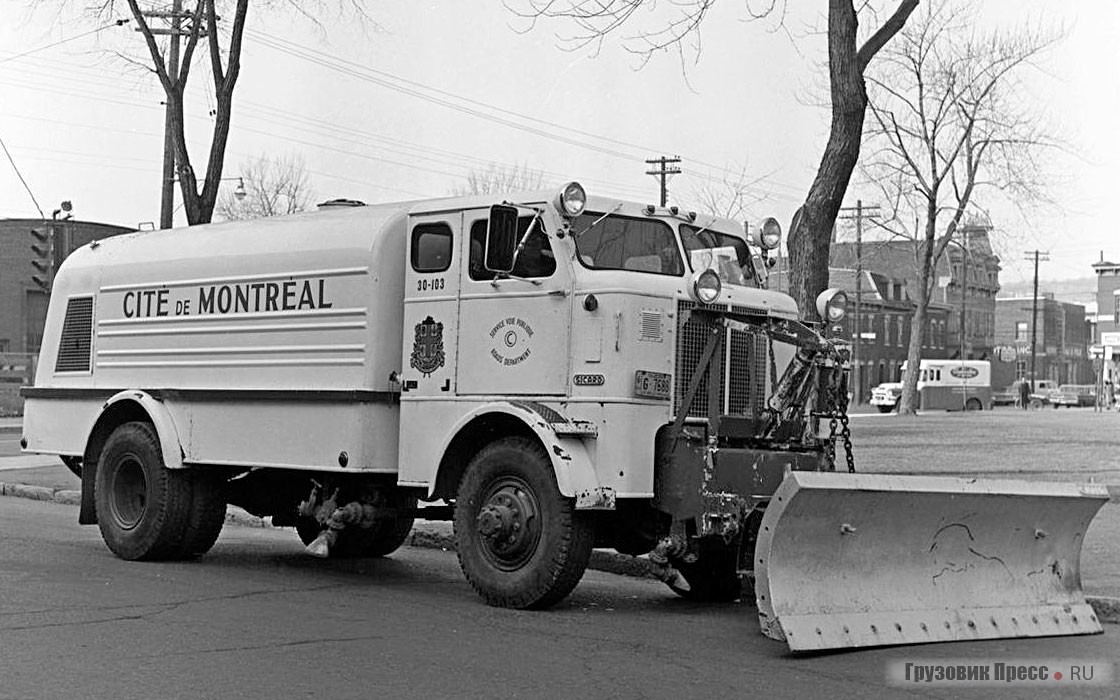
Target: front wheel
[521, 543]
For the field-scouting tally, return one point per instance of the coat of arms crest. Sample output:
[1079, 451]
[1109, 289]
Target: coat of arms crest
[427, 348]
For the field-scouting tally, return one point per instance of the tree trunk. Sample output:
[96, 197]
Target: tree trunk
[810, 233]
[908, 404]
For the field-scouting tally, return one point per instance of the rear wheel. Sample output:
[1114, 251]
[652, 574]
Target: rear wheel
[520, 542]
[973, 404]
[147, 511]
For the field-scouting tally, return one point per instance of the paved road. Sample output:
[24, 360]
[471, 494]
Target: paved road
[9, 444]
[257, 618]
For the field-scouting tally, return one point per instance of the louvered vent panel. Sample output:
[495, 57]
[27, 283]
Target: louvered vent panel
[651, 325]
[77, 331]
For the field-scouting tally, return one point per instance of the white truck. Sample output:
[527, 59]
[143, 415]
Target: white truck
[561, 371]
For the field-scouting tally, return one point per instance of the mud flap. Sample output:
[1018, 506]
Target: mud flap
[856, 560]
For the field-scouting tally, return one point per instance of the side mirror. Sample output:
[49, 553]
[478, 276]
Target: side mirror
[501, 238]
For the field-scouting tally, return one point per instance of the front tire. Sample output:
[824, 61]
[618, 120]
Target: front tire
[521, 543]
[147, 511]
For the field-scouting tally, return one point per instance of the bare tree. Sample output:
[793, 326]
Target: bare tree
[500, 178]
[949, 120]
[729, 196]
[272, 187]
[197, 26]
[811, 228]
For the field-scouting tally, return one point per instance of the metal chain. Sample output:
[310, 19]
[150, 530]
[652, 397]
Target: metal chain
[773, 363]
[830, 448]
[846, 433]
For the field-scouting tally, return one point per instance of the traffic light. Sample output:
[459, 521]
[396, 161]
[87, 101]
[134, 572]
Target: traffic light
[43, 262]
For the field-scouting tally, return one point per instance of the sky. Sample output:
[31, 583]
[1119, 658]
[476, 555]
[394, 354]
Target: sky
[406, 106]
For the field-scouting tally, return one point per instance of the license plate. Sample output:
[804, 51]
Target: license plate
[654, 385]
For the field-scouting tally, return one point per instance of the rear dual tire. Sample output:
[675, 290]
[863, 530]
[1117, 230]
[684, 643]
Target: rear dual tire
[147, 511]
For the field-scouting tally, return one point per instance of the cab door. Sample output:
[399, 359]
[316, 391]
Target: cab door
[431, 301]
[514, 330]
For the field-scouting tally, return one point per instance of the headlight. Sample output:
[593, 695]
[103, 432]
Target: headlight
[768, 235]
[832, 305]
[572, 199]
[706, 286]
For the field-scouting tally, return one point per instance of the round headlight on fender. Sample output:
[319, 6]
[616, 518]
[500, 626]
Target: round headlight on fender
[768, 235]
[706, 286]
[832, 305]
[572, 199]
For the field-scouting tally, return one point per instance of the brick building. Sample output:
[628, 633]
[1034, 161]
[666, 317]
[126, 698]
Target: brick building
[1108, 297]
[1106, 334]
[23, 304]
[884, 317]
[1062, 339]
[971, 281]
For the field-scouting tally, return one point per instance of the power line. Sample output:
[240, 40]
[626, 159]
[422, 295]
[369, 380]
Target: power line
[326, 62]
[372, 75]
[117, 23]
[20, 176]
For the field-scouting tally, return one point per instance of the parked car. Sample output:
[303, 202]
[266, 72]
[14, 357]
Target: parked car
[886, 396]
[1070, 395]
[1039, 395]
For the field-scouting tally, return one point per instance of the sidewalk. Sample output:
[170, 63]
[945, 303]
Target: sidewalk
[44, 477]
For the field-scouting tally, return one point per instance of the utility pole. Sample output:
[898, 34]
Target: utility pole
[1037, 255]
[663, 173]
[871, 211]
[167, 185]
[964, 292]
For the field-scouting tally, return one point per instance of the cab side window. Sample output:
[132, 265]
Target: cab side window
[535, 260]
[431, 247]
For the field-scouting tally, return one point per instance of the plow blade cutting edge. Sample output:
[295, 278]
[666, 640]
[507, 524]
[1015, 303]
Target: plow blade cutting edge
[855, 560]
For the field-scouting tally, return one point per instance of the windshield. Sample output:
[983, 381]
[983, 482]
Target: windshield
[727, 254]
[609, 242]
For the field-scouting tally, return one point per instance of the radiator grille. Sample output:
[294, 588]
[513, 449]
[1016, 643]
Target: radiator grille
[77, 330]
[743, 384]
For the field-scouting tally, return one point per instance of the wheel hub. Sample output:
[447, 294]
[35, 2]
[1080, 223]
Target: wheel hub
[507, 522]
[129, 490]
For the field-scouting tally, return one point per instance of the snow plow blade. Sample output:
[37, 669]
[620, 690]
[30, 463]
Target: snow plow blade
[858, 560]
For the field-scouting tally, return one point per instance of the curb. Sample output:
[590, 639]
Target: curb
[429, 536]
[41, 493]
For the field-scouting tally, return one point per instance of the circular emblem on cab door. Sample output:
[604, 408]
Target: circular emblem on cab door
[510, 341]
